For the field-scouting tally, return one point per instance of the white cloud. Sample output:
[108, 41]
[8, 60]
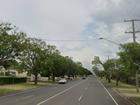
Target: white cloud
[74, 20]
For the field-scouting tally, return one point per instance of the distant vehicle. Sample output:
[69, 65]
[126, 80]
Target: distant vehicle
[62, 81]
[83, 77]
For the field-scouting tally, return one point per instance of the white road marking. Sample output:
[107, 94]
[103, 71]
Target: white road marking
[59, 93]
[27, 97]
[80, 98]
[86, 88]
[108, 93]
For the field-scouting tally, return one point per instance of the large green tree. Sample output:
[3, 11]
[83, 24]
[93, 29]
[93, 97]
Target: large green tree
[129, 54]
[108, 66]
[31, 54]
[34, 57]
[11, 44]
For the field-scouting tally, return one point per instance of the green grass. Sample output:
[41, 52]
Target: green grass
[136, 99]
[4, 89]
[125, 90]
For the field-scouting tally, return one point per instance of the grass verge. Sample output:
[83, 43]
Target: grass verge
[5, 89]
[125, 90]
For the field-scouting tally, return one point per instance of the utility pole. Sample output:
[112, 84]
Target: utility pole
[133, 28]
[134, 40]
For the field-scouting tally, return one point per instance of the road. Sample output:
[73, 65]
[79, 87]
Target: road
[79, 92]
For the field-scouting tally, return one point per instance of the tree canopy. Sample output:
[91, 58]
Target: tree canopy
[35, 56]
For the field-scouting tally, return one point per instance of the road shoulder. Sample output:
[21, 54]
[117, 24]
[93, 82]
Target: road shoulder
[120, 99]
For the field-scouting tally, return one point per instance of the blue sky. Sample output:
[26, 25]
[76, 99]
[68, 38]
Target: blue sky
[74, 20]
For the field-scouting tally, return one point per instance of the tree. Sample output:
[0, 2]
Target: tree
[34, 57]
[129, 54]
[52, 62]
[105, 65]
[11, 44]
[21, 52]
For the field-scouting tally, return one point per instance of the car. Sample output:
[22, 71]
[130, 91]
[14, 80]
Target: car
[62, 81]
[83, 77]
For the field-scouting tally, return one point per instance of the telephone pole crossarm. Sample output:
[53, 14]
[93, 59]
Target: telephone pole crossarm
[130, 20]
[133, 28]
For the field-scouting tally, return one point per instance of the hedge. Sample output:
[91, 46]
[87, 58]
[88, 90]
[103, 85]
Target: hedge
[12, 80]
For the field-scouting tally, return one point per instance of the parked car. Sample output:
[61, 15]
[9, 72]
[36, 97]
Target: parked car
[62, 81]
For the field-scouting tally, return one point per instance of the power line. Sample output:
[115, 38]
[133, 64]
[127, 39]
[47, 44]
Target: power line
[65, 40]
[72, 40]
[68, 40]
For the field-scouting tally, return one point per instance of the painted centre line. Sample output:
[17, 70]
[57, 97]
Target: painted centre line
[27, 97]
[80, 98]
[60, 93]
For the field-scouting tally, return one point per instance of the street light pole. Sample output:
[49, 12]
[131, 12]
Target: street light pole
[101, 38]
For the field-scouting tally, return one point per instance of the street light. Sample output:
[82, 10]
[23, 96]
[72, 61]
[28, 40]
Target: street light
[118, 44]
[101, 38]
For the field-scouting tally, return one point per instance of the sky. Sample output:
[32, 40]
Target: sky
[75, 26]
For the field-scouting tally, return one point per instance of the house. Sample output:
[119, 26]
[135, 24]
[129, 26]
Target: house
[2, 71]
[12, 72]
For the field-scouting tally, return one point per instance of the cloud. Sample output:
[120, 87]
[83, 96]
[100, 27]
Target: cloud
[74, 20]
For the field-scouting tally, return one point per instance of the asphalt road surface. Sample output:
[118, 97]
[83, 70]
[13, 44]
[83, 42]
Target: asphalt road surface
[79, 92]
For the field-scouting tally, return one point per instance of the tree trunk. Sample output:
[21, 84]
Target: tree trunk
[49, 78]
[109, 80]
[63, 76]
[101, 77]
[127, 80]
[68, 76]
[137, 82]
[106, 78]
[73, 76]
[117, 81]
[36, 79]
[53, 78]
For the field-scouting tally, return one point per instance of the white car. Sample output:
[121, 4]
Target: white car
[62, 81]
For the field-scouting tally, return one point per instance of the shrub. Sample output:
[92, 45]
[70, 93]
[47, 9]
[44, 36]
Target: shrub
[12, 80]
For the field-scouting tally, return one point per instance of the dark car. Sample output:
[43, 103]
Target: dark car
[83, 77]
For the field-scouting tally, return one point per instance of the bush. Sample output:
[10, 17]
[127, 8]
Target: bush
[132, 81]
[12, 80]
[1, 74]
